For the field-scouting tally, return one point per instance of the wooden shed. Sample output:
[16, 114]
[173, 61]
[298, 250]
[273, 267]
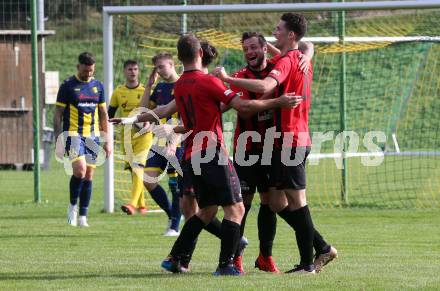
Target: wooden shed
[16, 133]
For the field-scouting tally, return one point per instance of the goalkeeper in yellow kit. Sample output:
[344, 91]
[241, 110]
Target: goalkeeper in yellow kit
[127, 97]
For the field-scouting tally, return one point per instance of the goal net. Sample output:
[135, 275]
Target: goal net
[376, 86]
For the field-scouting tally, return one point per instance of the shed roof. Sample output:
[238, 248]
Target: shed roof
[27, 32]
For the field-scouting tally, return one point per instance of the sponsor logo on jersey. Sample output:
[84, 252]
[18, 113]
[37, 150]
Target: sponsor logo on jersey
[90, 98]
[86, 104]
[95, 90]
[275, 72]
[227, 92]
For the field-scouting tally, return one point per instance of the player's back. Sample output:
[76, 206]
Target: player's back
[198, 98]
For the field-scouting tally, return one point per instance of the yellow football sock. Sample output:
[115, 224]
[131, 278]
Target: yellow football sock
[137, 188]
[141, 202]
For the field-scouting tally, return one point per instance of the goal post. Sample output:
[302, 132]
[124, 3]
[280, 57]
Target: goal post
[367, 42]
[109, 191]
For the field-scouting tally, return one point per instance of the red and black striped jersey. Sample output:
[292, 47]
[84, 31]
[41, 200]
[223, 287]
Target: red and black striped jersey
[258, 122]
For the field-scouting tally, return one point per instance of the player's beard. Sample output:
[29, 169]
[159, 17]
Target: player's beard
[83, 77]
[257, 66]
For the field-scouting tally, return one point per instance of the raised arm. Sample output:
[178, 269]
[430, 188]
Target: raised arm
[307, 49]
[272, 50]
[145, 102]
[247, 108]
[253, 85]
[160, 112]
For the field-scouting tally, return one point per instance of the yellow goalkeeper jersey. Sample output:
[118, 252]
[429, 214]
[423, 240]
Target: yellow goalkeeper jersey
[127, 99]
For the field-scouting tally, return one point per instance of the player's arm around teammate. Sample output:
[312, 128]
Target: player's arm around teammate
[268, 84]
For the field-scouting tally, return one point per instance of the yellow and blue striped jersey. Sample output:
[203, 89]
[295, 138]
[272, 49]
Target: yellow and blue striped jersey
[81, 100]
[127, 99]
[163, 94]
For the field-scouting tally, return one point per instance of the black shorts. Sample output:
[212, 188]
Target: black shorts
[186, 181]
[216, 185]
[254, 177]
[292, 175]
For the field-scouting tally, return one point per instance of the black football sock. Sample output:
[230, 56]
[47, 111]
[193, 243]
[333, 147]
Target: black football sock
[214, 227]
[84, 197]
[243, 223]
[285, 214]
[161, 198]
[304, 235]
[186, 259]
[301, 221]
[267, 227]
[319, 244]
[75, 189]
[175, 206]
[185, 243]
[229, 243]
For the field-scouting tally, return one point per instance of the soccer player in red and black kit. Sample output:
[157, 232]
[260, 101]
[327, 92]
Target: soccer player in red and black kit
[188, 200]
[198, 98]
[256, 176]
[286, 174]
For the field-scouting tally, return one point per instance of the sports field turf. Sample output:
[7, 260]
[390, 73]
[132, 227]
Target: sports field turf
[379, 249]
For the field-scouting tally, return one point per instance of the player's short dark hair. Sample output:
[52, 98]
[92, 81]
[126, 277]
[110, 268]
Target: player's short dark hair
[130, 63]
[209, 53]
[295, 22]
[162, 55]
[86, 58]
[249, 34]
[188, 47]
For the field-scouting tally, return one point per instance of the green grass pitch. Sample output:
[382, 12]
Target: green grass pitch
[379, 249]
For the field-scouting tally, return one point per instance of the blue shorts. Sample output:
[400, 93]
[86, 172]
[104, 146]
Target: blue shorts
[157, 162]
[79, 147]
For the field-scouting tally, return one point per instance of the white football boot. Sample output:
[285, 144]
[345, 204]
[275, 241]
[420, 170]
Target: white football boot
[72, 215]
[83, 221]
